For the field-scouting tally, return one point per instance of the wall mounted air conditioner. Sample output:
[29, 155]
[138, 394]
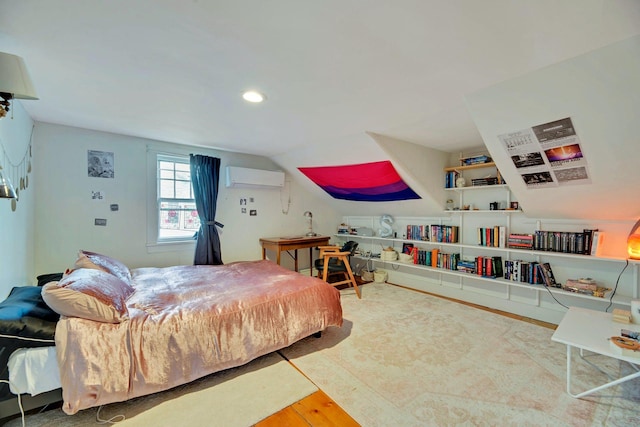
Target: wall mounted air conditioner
[245, 177]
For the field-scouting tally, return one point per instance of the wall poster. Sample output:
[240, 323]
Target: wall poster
[100, 164]
[548, 155]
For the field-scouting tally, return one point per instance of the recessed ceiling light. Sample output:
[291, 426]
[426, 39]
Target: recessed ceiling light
[253, 96]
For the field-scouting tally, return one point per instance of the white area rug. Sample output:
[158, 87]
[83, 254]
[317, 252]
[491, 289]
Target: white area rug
[404, 358]
[235, 397]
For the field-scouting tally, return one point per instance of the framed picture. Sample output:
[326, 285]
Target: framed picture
[514, 205]
[406, 248]
[100, 164]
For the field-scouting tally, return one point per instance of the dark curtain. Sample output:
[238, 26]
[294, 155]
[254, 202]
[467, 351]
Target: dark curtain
[205, 174]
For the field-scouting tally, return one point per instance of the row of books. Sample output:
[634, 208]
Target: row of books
[489, 266]
[450, 179]
[531, 272]
[586, 242]
[484, 266]
[435, 258]
[495, 236]
[433, 233]
[418, 232]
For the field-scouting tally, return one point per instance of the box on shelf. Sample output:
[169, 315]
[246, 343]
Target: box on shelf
[475, 160]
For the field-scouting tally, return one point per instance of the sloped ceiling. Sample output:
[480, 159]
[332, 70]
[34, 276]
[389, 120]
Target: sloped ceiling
[600, 92]
[347, 82]
[173, 70]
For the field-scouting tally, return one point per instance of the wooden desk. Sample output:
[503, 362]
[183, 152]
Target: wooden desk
[286, 244]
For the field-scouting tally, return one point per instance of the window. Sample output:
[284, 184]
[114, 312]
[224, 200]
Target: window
[177, 215]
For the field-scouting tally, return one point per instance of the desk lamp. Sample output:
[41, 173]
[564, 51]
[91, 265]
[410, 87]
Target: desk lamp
[309, 217]
[633, 242]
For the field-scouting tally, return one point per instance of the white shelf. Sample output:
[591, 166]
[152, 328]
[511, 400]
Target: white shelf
[478, 187]
[484, 211]
[493, 249]
[621, 300]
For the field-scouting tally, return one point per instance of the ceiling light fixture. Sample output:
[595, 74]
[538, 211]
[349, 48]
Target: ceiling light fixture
[15, 82]
[253, 96]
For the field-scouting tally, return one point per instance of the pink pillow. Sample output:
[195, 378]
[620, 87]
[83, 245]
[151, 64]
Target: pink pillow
[90, 294]
[87, 259]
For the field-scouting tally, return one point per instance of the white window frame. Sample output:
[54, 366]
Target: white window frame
[154, 243]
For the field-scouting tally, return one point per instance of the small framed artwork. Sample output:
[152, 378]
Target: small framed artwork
[407, 248]
[514, 206]
[100, 164]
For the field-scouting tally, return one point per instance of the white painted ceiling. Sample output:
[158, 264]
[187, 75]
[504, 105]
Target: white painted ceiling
[174, 70]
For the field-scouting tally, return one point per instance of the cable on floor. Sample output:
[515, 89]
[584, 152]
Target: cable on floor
[19, 402]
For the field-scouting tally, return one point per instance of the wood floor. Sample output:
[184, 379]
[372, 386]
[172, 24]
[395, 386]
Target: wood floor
[315, 410]
[319, 410]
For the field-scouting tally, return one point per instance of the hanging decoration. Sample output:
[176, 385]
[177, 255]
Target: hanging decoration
[365, 182]
[18, 172]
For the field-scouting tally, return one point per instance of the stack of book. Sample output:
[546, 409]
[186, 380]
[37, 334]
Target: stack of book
[520, 241]
[491, 180]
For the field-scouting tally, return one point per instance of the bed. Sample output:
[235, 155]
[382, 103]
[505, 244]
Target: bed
[127, 333]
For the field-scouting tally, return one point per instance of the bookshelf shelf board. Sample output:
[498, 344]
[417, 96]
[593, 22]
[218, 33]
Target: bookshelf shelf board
[469, 167]
[484, 211]
[536, 288]
[588, 258]
[477, 187]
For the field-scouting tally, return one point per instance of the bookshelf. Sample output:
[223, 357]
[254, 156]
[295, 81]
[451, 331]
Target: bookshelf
[488, 207]
[531, 300]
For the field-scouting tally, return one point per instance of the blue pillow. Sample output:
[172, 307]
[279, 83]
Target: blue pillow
[25, 314]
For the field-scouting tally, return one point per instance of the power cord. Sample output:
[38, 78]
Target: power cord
[615, 288]
[554, 297]
[19, 403]
[113, 420]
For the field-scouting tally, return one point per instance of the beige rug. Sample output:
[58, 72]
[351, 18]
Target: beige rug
[235, 397]
[408, 359]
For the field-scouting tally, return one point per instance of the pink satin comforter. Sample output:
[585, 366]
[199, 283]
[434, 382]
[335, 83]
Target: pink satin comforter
[186, 322]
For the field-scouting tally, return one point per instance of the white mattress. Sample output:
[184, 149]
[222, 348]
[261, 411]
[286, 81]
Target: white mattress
[33, 370]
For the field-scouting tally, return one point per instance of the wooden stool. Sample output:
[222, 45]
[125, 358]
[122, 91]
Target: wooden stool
[327, 253]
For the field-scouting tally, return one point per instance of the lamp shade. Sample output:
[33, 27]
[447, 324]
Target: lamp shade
[14, 78]
[633, 242]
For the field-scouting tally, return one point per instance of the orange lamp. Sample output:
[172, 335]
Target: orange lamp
[633, 242]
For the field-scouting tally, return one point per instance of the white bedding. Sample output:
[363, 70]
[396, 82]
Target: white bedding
[33, 370]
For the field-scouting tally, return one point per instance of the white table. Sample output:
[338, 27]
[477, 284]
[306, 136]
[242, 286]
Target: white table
[590, 330]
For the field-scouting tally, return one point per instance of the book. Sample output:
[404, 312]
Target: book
[588, 236]
[596, 243]
[497, 266]
[502, 236]
[434, 257]
[548, 278]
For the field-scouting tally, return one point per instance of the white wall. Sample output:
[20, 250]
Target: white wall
[65, 212]
[16, 228]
